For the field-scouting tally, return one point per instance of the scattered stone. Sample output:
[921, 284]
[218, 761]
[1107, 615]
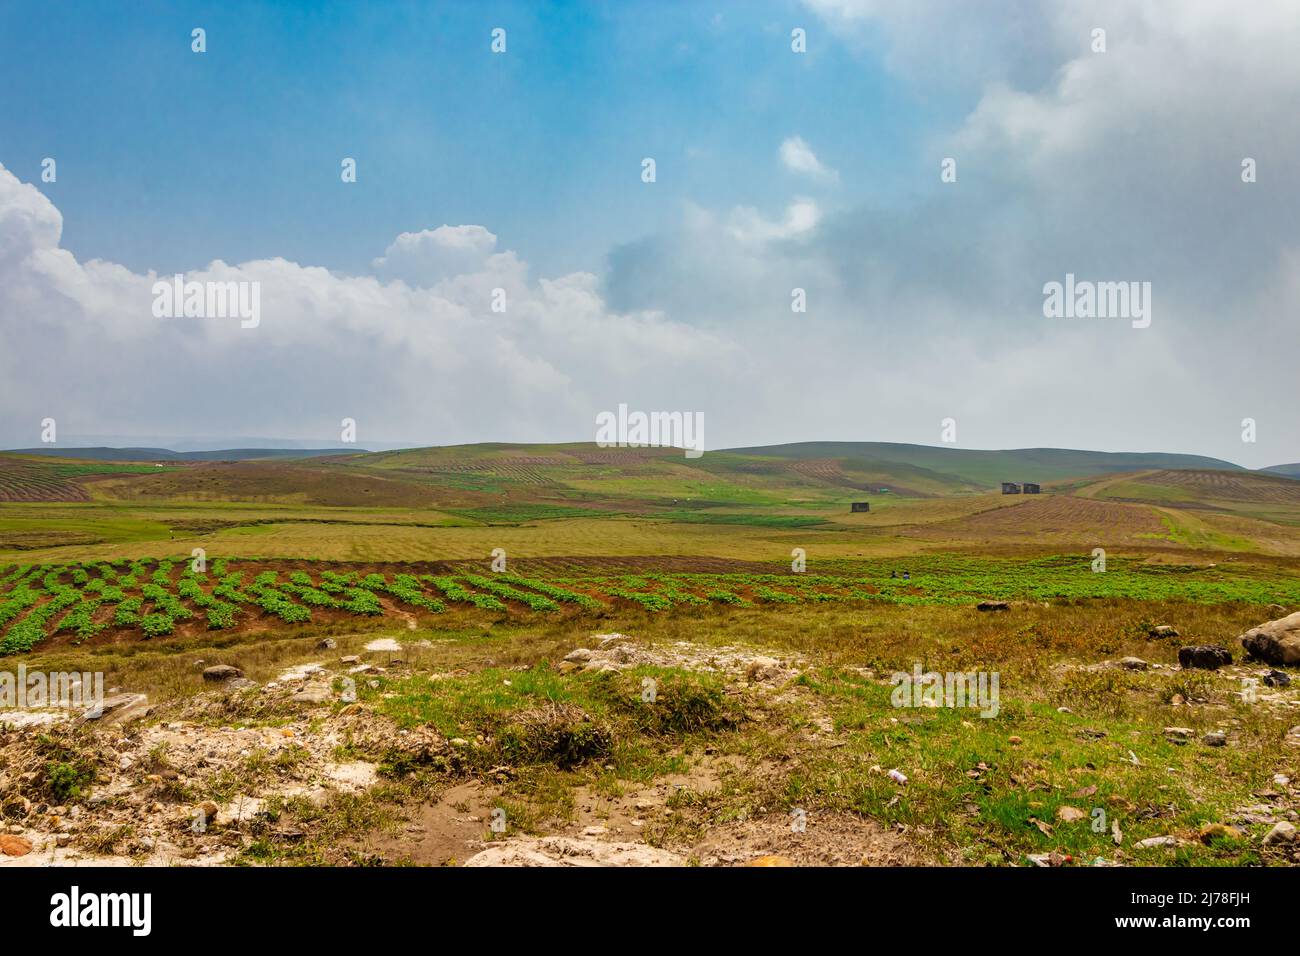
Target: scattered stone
[327, 644]
[15, 845]
[1014, 741]
[1277, 679]
[218, 673]
[570, 851]
[993, 606]
[384, 644]
[1163, 630]
[298, 673]
[1281, 780]
[1070, 814]
[1133, 664]
[1283, 832]
[350, 659]
[1254, 816]
[1179, 735]
[767, 670]
[240, 810]
[315, 693]
[1151, 842]
[1208, 657]
[1215, 738]
[1275, 642]
[33, 718]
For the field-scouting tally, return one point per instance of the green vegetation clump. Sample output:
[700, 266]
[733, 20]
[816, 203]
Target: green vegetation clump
[554, 591]
[157, 625]
[456, 592]
[534, 601]
[540, 717]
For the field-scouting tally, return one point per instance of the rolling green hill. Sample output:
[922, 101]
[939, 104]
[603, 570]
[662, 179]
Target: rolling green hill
[989, 468]
[805, 476]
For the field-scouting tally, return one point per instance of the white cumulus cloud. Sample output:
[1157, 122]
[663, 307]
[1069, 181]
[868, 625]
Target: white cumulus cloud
[798, 157]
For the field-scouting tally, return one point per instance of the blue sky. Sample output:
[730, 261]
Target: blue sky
[776, 172]
[171, 159]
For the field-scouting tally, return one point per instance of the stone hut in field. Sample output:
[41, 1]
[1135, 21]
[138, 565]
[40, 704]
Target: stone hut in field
[1031, 488]
[1010, 488]
[856, 506]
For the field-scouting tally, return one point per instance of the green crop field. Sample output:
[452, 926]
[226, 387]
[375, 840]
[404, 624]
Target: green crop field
[150, 599]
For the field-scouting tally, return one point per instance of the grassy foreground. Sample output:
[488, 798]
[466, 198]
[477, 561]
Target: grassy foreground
[1077, 753]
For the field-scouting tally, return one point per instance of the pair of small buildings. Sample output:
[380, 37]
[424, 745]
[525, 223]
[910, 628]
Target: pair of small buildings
[1012, 488]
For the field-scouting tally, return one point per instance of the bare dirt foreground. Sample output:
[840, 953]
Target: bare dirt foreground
[308, 768]
[775, 740]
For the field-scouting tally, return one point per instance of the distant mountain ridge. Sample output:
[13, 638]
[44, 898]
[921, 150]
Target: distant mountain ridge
[869, 463]
[989, 467]
[166, 454]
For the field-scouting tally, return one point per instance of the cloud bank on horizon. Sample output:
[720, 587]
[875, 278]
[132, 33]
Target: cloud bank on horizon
[1123, 165]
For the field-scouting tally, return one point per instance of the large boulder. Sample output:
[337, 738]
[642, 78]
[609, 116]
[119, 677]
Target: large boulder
[1208, 657]
[220, 673]
[119, 708]
[1277, 642]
